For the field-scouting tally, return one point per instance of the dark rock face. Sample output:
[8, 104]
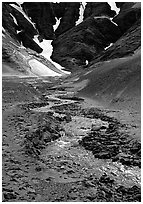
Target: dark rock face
[27, 30]
[7, 21]
[98, 9]
[23, 23]
[28, 42]
[126, 45]
[69, 15]
[84, 41]
[127, 16]
[43, 15]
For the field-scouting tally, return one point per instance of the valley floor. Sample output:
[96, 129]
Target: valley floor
[61, 148]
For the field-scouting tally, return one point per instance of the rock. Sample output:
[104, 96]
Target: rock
[69, 14]
[126, 45]
[43, 15]
[46, 14]
[9, 195]
[98, 9]
[84, 42]
[97, 127]
[38, 168]
[28, 42]
[89, 184]
[23, 23]
[127, 16]
[90, 197]
[63, 117]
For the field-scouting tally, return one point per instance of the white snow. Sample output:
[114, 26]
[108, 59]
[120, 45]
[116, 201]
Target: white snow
[113, 22]
[18, 31]
[40, 69]
[14, 19]
[108, 46]
[3, 31]
[81, 12]
[47, 52]
[23, 13]
[57, 23]
[107, 18]
[114, 7]
[86, 62]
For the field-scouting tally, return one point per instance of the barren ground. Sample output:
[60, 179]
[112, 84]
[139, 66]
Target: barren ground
[58, 147]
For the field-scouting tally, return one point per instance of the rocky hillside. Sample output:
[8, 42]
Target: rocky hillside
[75, 46]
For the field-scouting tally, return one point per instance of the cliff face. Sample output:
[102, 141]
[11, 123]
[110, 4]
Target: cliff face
[98, 9]
[69, 14]
[88, 40]
[84, 41]
[42, 15]
[45, 14]
[75, 46]
[128, 15]
[19, 27]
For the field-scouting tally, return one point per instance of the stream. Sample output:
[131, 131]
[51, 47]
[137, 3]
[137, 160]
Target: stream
[49, 142]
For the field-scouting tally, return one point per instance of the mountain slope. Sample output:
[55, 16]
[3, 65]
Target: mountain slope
[115, 82]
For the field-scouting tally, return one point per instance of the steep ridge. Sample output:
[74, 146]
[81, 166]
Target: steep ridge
[19, 61]
[88, 40]
[84, 41]
[74, 46]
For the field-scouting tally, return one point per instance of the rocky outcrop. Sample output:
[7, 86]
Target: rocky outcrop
[42, 15]
[22, 24]
[84, 41]
[69, 14]
[126, 45]
[129, 13]
[111, 143]
[98, 9]
[76, 46]
[7, 21]
[28, 42]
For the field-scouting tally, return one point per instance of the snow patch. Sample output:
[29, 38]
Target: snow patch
[18, 31]
[81, 13]
[86, 62]
[97, 17]
[47, 52]
[14, 19]
[108, 46]
[3, 32]
[40, 69]
[114, 7]
[57, 23]
[113, 22]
